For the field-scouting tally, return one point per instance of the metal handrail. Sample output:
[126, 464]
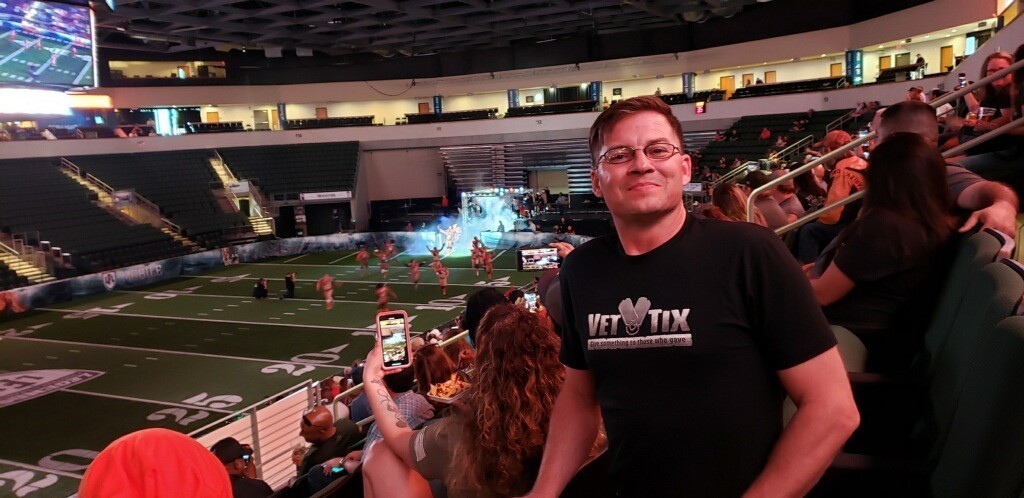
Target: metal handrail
[733, 174]
[103, 185]
[171, 225]
[65, 162]
[788, 151]
[228, 418]
[838, 122]
[949, 97]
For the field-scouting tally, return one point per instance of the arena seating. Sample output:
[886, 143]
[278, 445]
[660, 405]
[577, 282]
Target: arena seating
[554, 108]
[214, 127]
[38, 203]
[702, 96]
[815, 85]
[95, 132]
[898, 73]
[311, 123]
[428, 117]
[749, 148]
[951, 428]
[282, 170]
[177, 181]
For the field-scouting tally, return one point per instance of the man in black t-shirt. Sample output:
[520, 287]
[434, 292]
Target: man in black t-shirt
[686, 335]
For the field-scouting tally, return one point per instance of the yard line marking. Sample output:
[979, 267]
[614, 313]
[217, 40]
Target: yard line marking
[151, 358]
[503, 251]
[167, 351]
[129, 365]
[289, 313]
[343, 257]
[220, 296]
[143, 400]
[327, 268]
[42, 469]
[297, 257]
[399, 282]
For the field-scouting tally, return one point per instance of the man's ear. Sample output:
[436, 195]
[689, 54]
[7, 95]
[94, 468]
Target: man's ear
[594, 184]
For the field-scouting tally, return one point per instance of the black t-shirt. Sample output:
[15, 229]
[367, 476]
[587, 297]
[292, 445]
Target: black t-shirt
[346, 434]
[898, 267]
[244, 487]
[684, 343]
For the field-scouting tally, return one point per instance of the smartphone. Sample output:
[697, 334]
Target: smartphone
[963, 79]
[393, 329]
[531, 301]
[537, 259]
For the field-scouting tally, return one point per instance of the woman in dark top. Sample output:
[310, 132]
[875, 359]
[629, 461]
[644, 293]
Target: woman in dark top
[880, 277]
[1000, 159]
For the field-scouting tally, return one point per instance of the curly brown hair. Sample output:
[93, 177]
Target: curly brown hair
[507, 410]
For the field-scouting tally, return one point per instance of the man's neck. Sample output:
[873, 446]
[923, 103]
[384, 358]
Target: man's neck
[640, 235]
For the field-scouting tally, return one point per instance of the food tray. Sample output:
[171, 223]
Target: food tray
[447, 401]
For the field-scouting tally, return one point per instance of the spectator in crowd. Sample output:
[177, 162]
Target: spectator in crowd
[785, 195]
[238, 460]
[916, 93]
[491, 445]
[477, 305]
[758, 81]
[734, 135]
[774, 216]
[153, 463]
[765, 134]
[461, 353]
[432, 366]
[996, 94]
[729, 203]
[259, 291]
[754, 320]
[413, 408]
[569, 230]
[809, 191]
[985, 203]
[882, 274]
[719, 136]
[328, 439]
[847, 179]
[1001, 159]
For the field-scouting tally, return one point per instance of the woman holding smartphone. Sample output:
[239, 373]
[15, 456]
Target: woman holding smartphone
[491, 444]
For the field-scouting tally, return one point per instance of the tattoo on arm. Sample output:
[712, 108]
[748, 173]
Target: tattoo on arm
[389, 404]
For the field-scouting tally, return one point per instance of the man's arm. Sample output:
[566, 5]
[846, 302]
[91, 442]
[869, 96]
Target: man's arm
[994, 205]
[826, 416]
[389, 419]
[574, 424]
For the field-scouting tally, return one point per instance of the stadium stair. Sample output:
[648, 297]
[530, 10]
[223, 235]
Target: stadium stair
[32, 273]
[261, 225]
[185, 241]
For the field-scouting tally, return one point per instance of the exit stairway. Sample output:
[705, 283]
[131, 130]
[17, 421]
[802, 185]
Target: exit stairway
[34, 274]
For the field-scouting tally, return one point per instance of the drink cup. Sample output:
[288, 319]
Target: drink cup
[986, 113]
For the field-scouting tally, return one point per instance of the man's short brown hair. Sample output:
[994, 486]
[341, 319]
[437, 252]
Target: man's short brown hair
[604, 123]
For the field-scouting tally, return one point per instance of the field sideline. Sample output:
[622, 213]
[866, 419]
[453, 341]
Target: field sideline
[183, 353]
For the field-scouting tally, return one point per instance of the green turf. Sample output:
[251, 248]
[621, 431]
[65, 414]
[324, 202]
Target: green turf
[161, 346]
[32, 482]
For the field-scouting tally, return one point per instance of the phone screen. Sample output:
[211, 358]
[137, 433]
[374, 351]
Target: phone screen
[394, 338]
[531, 301]
[538, 259]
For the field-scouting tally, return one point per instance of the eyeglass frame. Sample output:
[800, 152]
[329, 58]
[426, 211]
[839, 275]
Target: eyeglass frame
[675, 150]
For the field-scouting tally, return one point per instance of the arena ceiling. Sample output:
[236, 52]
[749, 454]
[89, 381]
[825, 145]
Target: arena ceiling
[388, 27]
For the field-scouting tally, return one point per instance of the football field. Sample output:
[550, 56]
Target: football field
[189, 351]
[22, 61]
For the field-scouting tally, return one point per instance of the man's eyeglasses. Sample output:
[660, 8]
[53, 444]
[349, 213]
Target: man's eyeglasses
[657, 151]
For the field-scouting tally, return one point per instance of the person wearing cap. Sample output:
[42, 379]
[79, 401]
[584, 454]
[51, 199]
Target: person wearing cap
[238, 461]
[155, 463]
[688, 339]
[916, 93]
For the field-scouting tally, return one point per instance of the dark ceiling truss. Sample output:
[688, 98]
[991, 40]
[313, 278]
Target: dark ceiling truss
[385, 27]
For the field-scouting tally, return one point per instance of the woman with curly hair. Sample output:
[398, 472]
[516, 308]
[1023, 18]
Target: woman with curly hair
[492, 443]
